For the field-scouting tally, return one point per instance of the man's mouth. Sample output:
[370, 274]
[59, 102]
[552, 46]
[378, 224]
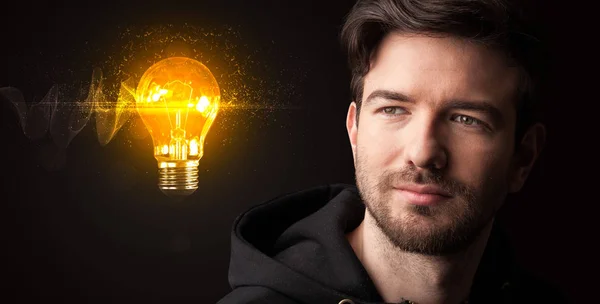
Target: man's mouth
[424, 195]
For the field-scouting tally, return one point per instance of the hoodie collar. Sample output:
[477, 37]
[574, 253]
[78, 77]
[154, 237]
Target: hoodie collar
[295, 245]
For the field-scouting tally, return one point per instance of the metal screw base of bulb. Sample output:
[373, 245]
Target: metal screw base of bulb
[178, 181]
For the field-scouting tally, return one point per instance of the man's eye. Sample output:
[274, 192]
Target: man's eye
[392, 110]
[467, 120]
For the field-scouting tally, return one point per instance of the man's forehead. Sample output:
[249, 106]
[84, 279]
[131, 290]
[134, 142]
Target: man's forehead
[438, 50]
[424, 61]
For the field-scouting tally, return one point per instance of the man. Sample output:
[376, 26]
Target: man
[442, 128]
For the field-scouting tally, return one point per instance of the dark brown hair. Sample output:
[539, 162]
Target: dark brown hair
[498, 24]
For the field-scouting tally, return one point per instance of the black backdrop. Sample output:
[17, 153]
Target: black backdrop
[96, 226]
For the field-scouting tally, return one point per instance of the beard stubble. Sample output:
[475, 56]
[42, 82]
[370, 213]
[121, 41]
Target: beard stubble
[442, 229]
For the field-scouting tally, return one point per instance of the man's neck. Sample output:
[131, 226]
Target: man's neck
[399, 275]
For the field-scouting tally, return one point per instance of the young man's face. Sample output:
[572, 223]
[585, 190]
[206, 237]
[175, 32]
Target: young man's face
[435, 112]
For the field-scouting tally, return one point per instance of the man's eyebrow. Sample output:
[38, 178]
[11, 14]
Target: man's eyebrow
[388, 95]
[479, 106]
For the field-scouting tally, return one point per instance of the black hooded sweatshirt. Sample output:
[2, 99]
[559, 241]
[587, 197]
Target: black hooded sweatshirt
[293, 249]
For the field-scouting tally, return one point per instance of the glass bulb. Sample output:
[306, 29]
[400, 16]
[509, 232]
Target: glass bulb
[178, 99]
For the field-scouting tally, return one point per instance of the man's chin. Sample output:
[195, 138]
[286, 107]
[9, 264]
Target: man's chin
[423, 214]
[426, 237]
[416, 222]
[424, 225]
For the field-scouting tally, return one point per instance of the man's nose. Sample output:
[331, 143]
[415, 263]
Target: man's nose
[425, 146]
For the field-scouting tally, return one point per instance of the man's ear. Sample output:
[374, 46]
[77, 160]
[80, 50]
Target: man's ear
[352, 128]
[525, 156]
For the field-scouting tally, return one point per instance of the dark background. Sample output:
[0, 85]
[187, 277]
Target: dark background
[97, 227]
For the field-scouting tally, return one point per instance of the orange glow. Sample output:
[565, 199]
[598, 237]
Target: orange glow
[178, 100]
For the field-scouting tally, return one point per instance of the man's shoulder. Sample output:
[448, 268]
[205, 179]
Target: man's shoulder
[534, 289]
[255, 295]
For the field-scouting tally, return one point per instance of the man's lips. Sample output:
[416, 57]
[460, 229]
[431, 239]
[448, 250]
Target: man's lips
[425, 195]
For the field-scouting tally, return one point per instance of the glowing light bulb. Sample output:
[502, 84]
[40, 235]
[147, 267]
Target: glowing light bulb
[178, 99]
